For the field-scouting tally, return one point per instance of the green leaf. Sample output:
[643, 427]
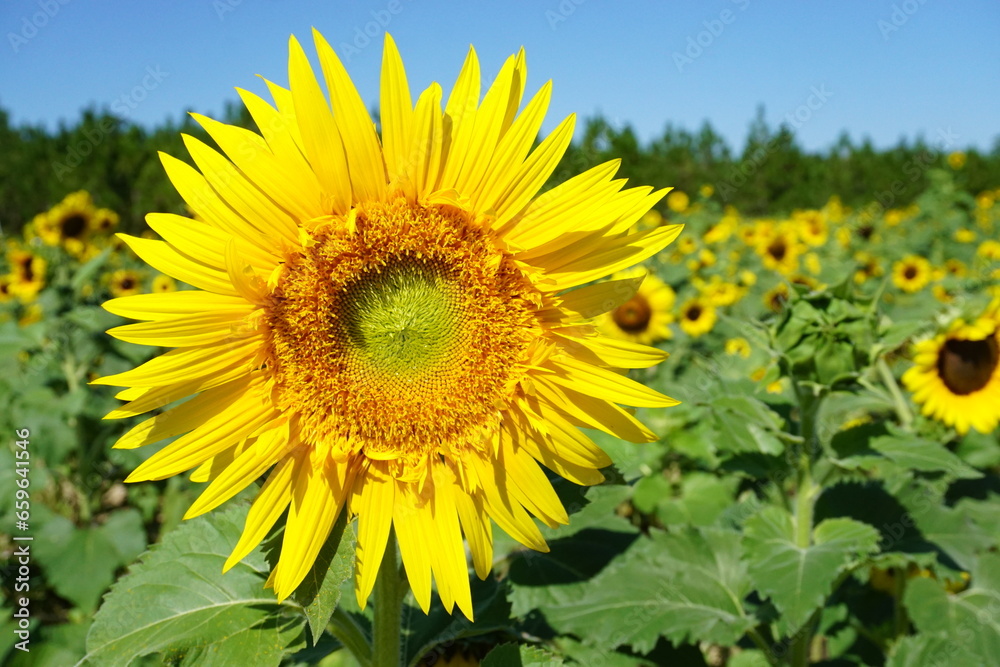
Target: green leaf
[924, 455]
[320, 591]
[513, 655]
[924, 651]
[176, 602]
[798, 580]
[423, 632]
[745, 424]
[703, 497]
[80, 563]
[686, 586]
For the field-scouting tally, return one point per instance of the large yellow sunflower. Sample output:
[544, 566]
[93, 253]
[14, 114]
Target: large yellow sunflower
[956, 378]
[646, 317]
[383, 322]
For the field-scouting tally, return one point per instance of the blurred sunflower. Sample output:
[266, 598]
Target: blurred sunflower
[697, 317]
[990, 250]
[956, 378]
[869, 266]
[104, 221]
[678, 201]
[162, 284]
[124, 282]
[911, 274]
[6, 295]
[27, 275]
[776, 297]
[68, 223]
[384, 322]
[738, 347]
[646, 317]
[956, 267]
[811, 227]
[780, 249]
[717, 291]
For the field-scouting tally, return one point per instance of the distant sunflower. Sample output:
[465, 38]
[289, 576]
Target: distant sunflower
[869, 266]
[28, 274]
[738, 347]
[124, 282]
[162, 284]
[780, 250]
[911, 274]
[646, 317]
[68, 223]
[103, 221]
[956, 378]
[811, 226]
[776, 297]
[697, 317]
[386, 323]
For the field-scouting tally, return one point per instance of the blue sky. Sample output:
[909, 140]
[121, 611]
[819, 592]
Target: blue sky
[877, 68]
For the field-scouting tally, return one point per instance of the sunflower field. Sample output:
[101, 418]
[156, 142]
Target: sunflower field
[748, 427]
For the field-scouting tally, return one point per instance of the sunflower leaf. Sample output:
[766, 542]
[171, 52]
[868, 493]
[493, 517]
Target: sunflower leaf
[746, 424]
[320, 591]
[969, 620]
[691, 588]
[176, 602]
[513, 655]
[798, 580]
[423, 632]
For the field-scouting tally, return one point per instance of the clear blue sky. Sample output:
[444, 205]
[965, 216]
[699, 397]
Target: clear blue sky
[884, 68]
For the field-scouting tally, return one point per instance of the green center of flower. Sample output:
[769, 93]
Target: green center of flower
[966, 366]
[401, 319]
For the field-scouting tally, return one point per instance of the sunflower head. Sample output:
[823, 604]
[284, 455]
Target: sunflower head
[697, 317]
[646, 317]
[124, 282]
[387, 325]
[912, 273]
[956, 376]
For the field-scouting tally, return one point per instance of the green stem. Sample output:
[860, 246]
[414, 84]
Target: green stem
[388, 609]
[348, 633]
[805, 496]
[902, 407]
[761, 643]
[900, 620]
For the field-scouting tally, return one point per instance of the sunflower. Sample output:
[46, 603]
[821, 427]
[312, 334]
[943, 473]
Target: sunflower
[646, 317]
[6, 294]
[780, 249]
[697, 317]
[68, 223]
[776, 297]
[738, 347]
[911, 274]
[869, 266]
[811, 226]
[957, 375]
[678, 201]
[28, 274]
[124, 282]
[162, 283]
[104, 221]
[717, 291]
[383, 322]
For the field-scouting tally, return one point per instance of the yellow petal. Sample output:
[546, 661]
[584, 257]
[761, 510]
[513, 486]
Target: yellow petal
[186, 331]
[603, 383]
[155, 307]
[364, 155]
[396, 110]
[166, 259]
[374, 520]
[320, 137]
[271, 502]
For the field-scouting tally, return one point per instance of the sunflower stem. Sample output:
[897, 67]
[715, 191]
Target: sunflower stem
[388, 609]
[347, 632]
[899, 401]
[805, 496]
